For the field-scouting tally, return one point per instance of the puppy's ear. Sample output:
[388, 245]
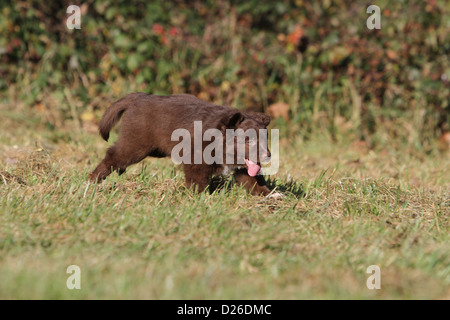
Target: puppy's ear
[264, 118]
[231, 120]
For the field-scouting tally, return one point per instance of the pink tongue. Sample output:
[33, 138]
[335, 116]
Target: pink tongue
[252, 168]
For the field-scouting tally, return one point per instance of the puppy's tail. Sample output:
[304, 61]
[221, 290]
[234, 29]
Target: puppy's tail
[112, 116]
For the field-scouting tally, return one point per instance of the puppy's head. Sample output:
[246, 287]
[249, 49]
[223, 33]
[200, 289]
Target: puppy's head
[247, 140]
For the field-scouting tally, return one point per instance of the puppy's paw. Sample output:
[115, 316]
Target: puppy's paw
[276, 196]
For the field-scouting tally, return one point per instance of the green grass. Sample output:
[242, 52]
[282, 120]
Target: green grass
[143, 235]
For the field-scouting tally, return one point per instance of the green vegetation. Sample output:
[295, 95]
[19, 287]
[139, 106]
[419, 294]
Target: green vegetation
[318, 57]
[364, 164]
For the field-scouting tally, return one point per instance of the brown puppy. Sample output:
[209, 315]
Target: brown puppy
[148, 126]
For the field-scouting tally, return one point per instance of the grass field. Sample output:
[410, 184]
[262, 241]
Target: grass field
[143, 235]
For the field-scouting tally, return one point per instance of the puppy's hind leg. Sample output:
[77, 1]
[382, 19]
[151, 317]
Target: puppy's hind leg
[117, 159]
[105, 167]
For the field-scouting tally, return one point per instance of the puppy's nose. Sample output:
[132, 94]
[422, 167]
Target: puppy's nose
[266, 157]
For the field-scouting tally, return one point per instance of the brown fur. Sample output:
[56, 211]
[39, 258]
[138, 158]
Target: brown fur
[147, 125]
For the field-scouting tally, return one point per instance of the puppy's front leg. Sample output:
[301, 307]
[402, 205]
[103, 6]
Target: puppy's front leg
[255, 185]
[197, 176]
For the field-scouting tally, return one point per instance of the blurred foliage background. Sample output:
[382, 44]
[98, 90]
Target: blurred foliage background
[313, 65]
